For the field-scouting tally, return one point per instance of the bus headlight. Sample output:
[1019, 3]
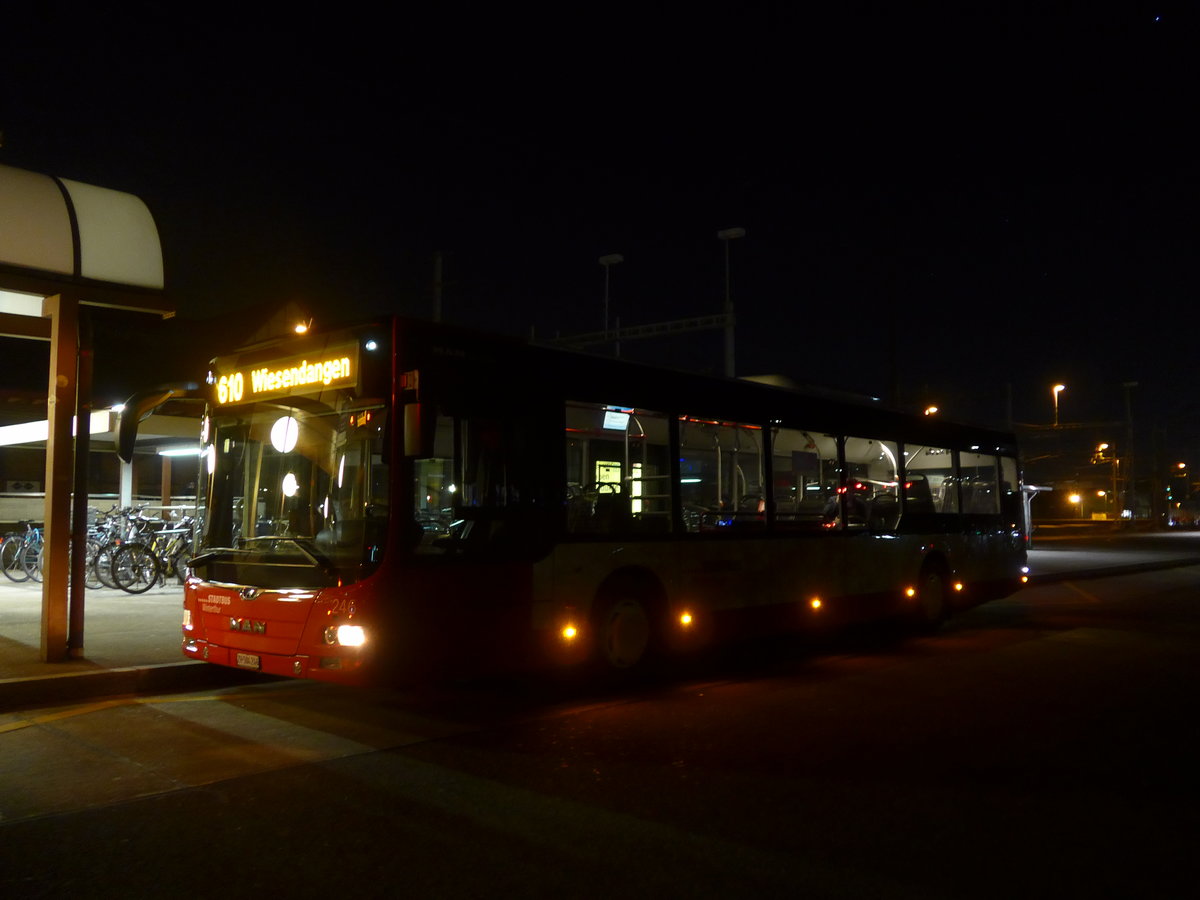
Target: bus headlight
[346, 635]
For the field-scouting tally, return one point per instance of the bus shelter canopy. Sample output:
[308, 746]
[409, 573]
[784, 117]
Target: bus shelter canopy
[64, 245]
[67, 228]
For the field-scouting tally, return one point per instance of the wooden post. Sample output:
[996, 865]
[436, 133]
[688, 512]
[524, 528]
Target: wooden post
[79, 500]
[63, 312]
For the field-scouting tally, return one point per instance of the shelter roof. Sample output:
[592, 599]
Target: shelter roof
[59, 235]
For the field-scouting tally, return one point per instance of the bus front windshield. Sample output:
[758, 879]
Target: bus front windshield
[296, 493]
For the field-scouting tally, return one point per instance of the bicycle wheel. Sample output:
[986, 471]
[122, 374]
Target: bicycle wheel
[104, 565]
[11, 559]
[31, 559]
[91, 577]
[135, 568]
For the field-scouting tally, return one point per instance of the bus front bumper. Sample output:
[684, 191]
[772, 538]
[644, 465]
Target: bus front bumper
[335, 669]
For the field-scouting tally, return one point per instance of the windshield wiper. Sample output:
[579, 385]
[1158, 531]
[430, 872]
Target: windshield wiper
[302, 544]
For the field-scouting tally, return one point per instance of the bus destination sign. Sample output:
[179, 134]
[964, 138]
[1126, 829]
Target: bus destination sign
[333, 367]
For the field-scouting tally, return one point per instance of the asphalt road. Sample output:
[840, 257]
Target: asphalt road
[1040, 746]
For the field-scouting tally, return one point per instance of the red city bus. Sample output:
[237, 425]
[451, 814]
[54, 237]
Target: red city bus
[406, 497]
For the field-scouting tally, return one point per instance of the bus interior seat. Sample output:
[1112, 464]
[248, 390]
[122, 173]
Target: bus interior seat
[979, 498]
[917, 496]
[613, 513]
[884, 511]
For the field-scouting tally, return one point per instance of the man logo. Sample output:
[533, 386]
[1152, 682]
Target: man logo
[248, 626]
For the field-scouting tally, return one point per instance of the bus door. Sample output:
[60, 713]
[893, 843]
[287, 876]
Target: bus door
[878, 563]
[987, 485]
[727, 561]
[481, 503]
[808, 553]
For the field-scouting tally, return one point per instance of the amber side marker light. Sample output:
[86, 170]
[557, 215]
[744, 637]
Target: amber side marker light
[958, 586]
[685, 619]
[910, 592]
[569, 632]
[815, 603]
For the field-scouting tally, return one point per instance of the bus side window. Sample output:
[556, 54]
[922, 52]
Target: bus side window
[1012, 508]
[435, 488]
[930, 489]
[806, 477]
[618, 470]
[980, 484]
[721, 475]
[872, 495]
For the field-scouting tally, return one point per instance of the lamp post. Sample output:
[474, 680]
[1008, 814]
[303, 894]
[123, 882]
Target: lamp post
[1056, 390]
[608, 262]
[1129, 483]
[725, 235]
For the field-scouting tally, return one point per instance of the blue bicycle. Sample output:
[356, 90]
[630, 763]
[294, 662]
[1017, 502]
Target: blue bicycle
[21, 554]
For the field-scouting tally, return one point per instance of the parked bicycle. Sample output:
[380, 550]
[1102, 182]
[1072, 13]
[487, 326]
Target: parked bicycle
[20, 554]
[105, 537]
[155, 554]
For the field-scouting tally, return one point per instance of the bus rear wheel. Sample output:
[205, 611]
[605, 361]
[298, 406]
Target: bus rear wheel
[625, 634]
[933, 605]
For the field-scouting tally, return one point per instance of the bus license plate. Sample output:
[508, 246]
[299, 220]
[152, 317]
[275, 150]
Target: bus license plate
[249, 661]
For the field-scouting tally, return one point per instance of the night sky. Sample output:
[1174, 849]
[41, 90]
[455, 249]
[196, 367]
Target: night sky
[1008, 194]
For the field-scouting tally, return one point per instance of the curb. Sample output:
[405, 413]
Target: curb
[76, 687]
[1109, 571]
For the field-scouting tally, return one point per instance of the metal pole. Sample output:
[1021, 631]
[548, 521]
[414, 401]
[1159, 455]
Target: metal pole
[726, 235]
[606, 268]
[729, 343]
[437, 286]
[1130, 499]
[608, 262]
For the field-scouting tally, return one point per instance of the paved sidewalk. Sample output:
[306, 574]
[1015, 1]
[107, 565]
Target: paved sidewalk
[131, 645]
[131, 642]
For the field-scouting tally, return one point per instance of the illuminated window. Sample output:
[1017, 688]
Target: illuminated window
[721, 475]
[807, 478]
[872, 494]
[618, 469]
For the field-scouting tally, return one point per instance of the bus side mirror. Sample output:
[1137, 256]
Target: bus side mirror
[140, 407]
[418, 432]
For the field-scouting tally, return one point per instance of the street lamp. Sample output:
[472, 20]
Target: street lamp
[725, 235]
[608, 262]
[1056, 390]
